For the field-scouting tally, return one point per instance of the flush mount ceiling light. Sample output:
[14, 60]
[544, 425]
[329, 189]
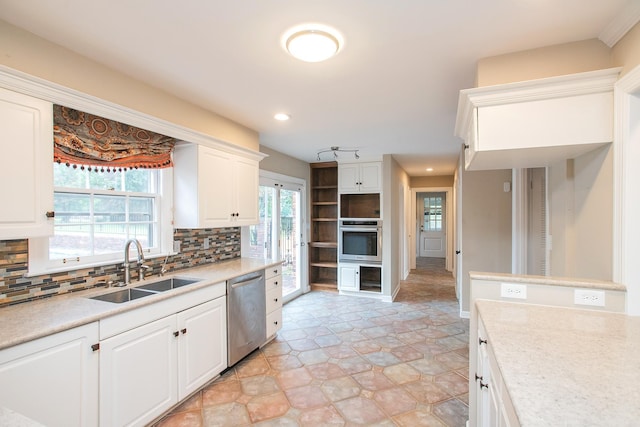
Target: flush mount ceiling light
[283, 117]
[312, 42]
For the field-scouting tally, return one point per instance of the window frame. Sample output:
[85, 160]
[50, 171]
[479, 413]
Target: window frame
[39, 262]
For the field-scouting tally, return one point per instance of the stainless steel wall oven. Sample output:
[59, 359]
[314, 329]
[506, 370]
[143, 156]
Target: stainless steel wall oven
[360, 240]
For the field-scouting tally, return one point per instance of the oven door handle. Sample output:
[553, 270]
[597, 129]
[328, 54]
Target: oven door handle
[360, 229]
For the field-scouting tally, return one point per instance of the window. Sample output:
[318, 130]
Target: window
[433, 213]
[97, 212]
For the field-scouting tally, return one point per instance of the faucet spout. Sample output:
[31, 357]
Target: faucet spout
[127, 270]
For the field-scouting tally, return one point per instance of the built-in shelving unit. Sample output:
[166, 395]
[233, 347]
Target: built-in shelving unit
[323, 248]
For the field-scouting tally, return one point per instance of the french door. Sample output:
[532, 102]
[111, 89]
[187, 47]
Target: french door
[279, 233]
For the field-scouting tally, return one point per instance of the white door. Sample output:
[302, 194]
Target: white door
[279, 234]
[431, 219]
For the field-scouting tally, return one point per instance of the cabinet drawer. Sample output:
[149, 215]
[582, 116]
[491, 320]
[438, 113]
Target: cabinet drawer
[274, 282]
[274, 300]
[274, 322]
[273, 271]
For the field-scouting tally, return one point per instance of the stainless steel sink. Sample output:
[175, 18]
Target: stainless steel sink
[168, 284]
[124, 295]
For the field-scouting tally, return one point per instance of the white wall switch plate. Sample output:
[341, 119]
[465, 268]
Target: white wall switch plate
[512, 290]
[206, 243]
[588, 297]
[176, 246]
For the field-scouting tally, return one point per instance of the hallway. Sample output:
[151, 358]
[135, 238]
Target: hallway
[350, 361]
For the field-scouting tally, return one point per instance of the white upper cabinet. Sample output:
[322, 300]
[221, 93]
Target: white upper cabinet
[26, 167]
[360, 177]
[538, 122]
[213, 188]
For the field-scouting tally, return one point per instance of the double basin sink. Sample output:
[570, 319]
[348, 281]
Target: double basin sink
[130, 294]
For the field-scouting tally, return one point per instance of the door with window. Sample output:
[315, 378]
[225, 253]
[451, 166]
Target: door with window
[279, 233]
[431, 220]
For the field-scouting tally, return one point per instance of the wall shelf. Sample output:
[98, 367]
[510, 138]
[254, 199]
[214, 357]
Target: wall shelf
[323, 247]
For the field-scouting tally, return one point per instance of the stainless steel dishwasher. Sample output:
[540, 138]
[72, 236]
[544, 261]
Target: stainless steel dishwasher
[246, 315]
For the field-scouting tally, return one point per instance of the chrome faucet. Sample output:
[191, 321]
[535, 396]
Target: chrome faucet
[141, 266]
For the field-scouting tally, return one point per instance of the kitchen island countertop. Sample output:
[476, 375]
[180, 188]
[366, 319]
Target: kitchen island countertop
[31, 320]
[565, 366]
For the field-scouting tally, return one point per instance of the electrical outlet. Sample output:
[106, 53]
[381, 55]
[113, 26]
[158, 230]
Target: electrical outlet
[588, 297]
[511, 290]
[176, 246]
[206, 243]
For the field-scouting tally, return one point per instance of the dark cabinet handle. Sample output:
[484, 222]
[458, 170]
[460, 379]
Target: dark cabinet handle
[458, 252]
[481, 341]
[478, 377]
[483, 385]
[275, 283]
[95, 347]
[184, 331]
[176, 333]
[50, 214]
[275, 322]
[275, 299]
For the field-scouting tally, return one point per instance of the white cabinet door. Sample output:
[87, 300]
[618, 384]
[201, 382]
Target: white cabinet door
[202, 348]
[26, 166]
[53, 380]
[138, 374]
[360, 177]
[214, 188]
[348, 178]
[348, 277]
[247, 181]
[371, 177]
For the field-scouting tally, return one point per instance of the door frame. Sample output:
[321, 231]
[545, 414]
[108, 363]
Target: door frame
[304, 260]
[448, 218]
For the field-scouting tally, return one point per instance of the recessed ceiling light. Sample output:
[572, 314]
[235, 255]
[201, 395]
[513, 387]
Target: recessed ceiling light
[283, 117]
[312, 42]
[429, 169]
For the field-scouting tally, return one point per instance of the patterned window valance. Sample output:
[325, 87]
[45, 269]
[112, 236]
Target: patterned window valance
[84, 139]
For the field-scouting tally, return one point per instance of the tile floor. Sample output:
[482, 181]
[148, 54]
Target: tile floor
[349, 361]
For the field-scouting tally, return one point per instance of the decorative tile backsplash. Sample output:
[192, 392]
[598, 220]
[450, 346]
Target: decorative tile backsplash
[224, 243]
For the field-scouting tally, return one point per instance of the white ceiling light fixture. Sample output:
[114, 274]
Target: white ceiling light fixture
[312, 42]
[283, 117]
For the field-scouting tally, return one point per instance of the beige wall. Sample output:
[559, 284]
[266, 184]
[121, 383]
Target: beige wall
[568, 58]
[395, 206]
[285, 165]
[626, 53]
[23, 51]
[486, 225]
[431, 181]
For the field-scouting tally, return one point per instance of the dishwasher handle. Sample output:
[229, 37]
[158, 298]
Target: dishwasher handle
[246, 282]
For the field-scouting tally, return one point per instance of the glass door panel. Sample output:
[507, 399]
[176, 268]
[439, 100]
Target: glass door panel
[290, 232]
[262, 241]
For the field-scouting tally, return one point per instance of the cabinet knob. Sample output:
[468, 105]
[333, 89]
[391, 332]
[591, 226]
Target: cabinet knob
[275, 322]
[95, 347]
[478, 377]
[481, 341]
[184, 331]
[466, 146]
[275, 299]
[275, 283]
[176, 333]
[483, 385]
[50, 214]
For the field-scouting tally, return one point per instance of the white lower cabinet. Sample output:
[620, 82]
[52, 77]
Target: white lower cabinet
[138, 374]
[53, 380]
[202, 350]
[349, 279]
[494, 408]
[148, 369]
[273, 301]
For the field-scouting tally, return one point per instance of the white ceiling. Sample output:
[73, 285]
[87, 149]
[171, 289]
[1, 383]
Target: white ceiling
[393, 89]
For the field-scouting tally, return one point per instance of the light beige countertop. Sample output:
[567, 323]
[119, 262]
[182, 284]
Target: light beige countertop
[548, 280]
[565, 366]
[28, 321]
[9, 418]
